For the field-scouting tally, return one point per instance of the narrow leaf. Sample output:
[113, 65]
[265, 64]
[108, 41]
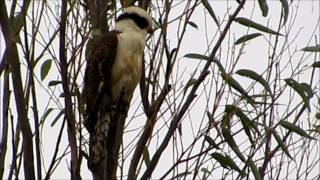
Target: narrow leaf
[211, 142]
[146, 156]
[203, 57]
[302, 89]
[281, 144]
[62, 95]
[292, 127]
[45, 67]
[210, 116]
[249, 23]
[285, 10]
[316, 64]
[247, 38]
[193, 24]
[44, 116]
[254, 169]
[226, 161]
[236, 85]
[264, 7]
[189, 84]
[315, 48]
[54, 83]
[226, 131]
[255, 76]
[57, 117]
[196, 56]
[210, 10]
[206, 173]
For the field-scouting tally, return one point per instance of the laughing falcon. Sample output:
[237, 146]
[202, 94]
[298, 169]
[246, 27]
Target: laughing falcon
[113, 72]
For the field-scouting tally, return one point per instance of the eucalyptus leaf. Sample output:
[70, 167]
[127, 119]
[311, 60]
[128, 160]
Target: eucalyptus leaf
[193, 24]
[146, 156]
[292, 127]
[264, 7]
[236, 85]
[285, 10]
[197, 56]
[226, 161]
[255, 76]
[54, 83]
[281, 144]
[249, 23]
[246, 38]
[58, 117]
[316, 64]
[302, 89]
[45, 67]
[315, 48]
[210, 10]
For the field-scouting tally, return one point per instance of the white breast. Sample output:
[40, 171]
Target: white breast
[126, 70]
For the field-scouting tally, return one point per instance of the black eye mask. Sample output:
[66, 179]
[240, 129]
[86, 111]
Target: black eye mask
[141, 22]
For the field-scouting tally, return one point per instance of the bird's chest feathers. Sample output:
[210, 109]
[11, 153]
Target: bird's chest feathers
[126, 70]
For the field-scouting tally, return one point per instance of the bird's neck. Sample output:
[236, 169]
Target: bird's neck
[128, 26]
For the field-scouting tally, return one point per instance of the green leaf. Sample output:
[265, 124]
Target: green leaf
[315, 48]
[44, 116]
[292, 127]
[264, 7]
[203, 57]
[281, 144]
[249, 23]
[146, 156]
[226, 131]
[58, 117]
[317, 115]
[196, 56]
[209, 8]
[211, 142]
[246, 38]
[285, 10]
[45, 67]
[35, 62]
[254, 169]
[206, 173]
[226, 161]
[255, 76]
[246, 123]
[210, 117]
[62, 95]
[189, 84]
[316, 64]
[302, 89]
[54, 83]
[236, 85]
[193, 24]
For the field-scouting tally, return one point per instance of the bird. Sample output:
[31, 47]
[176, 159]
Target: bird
[112, 73]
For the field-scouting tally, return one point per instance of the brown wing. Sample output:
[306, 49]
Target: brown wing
[98, 75]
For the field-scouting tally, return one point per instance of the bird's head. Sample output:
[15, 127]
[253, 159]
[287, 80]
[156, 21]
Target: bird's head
[135, 18]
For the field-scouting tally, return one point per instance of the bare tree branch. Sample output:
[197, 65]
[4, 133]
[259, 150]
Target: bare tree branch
[12, 55]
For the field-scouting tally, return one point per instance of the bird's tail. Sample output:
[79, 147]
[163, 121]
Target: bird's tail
[98, 139]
